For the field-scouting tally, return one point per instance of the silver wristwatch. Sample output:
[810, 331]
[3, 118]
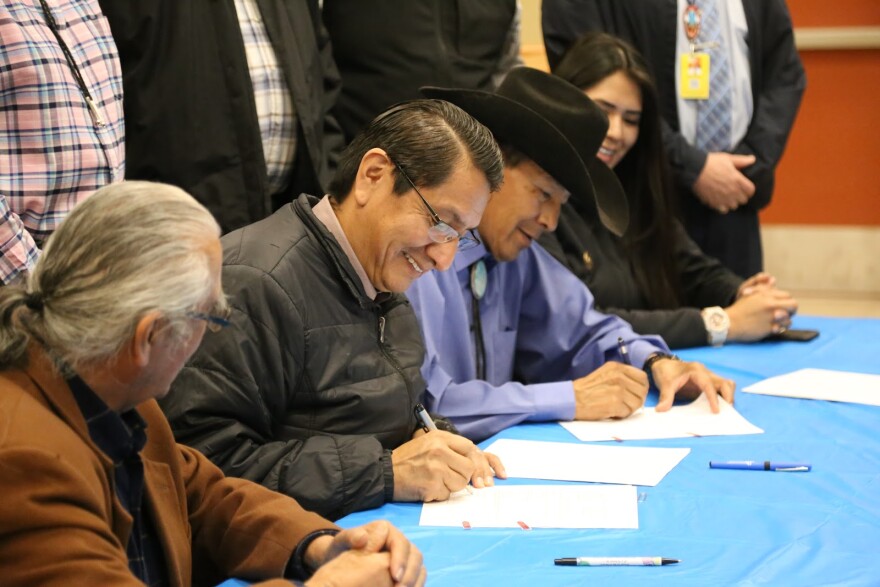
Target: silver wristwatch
[717, 324]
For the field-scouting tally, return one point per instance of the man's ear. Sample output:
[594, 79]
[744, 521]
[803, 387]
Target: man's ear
[145, 336]
[375, 169]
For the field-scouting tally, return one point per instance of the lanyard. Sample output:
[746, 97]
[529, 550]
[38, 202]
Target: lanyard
[53, 26]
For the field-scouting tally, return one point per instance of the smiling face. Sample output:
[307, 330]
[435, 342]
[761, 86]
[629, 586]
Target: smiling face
[621, 100]
[389, 232]
[527, 204]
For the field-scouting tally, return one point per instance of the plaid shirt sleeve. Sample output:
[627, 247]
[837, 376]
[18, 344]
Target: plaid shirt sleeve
[18, 251]
[52, 153]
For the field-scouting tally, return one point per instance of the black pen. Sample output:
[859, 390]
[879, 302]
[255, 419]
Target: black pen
[423, 418]
[624, 352]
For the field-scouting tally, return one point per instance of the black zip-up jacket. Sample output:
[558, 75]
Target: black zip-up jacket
[313, 384]
[190, 117]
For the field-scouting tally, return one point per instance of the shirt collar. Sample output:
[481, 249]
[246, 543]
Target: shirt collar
[119, 436]
[323, 211]
[464, 259]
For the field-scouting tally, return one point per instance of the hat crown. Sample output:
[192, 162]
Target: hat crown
[563, 105]
[557, 126]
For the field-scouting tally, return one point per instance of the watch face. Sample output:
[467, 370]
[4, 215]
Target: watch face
[716, 321]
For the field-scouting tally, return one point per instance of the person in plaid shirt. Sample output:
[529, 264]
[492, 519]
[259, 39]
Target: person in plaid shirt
[62, 132]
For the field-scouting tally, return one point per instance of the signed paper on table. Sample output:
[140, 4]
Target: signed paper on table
[537, 506]
[693, 419]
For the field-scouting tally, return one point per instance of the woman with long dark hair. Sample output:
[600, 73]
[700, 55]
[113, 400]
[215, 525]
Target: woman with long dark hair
[655, 276]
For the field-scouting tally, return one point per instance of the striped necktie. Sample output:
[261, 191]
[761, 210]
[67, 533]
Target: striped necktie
[714, 114]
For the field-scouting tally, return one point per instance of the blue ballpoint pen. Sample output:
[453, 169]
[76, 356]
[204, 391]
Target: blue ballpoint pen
[761, 466]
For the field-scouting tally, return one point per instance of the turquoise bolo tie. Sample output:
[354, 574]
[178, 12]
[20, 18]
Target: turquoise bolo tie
[478, 290]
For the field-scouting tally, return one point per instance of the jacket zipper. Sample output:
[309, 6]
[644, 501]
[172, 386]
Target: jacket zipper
[391, 360]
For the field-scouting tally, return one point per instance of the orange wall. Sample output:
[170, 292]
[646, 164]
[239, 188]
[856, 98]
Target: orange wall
[830, 172]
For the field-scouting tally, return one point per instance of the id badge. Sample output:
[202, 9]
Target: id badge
[694, 78]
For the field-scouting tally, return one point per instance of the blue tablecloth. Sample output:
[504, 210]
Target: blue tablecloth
[729, 527]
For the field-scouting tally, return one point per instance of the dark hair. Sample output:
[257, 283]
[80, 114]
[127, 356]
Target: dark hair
[643, 172]
[427, 138]
[511, 155]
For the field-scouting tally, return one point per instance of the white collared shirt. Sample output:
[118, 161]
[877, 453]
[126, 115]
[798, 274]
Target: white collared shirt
[734, 33]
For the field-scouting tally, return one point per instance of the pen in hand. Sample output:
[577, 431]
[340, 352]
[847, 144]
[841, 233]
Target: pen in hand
[624, 352]
[423, 418]
[427, 423]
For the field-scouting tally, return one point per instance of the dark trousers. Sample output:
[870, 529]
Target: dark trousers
[733, 238]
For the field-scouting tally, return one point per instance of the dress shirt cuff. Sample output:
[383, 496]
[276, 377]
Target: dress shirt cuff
[640, 350]
[296, 566]
[388, 476]
[552, 401]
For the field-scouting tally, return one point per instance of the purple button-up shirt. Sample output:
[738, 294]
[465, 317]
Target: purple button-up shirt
[539, 328]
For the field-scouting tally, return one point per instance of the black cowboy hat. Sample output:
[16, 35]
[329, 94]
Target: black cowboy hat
[555, 125]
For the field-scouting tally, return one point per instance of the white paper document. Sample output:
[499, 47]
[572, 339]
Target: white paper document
[566, 461]
[537, 506]
[693, 419]
[837, 386]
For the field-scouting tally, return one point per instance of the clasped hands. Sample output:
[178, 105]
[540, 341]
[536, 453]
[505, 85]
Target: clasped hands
[721, 184]
[760, 309]
[373, 554]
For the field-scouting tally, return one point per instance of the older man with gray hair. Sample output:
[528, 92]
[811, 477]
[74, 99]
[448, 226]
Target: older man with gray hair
[95, 490]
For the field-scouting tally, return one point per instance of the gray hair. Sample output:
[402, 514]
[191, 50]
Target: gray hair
[129, 249]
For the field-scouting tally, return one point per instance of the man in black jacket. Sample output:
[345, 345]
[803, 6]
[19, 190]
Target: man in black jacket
[229, 100]
[311, 390]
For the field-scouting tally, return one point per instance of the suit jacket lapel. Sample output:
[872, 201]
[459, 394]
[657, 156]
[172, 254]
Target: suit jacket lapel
[168, 520]
[48, 387]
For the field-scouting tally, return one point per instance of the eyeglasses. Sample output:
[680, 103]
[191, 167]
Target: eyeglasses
[440, 232]
[215, 322]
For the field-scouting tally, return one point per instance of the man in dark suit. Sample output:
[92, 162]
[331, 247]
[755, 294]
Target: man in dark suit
[228, 100]
[721, 190]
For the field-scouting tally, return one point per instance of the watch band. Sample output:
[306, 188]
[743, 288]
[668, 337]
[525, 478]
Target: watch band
[717, 324]
[649, 364]
[296, 565]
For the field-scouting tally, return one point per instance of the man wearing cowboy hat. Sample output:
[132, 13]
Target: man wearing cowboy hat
[512, 335]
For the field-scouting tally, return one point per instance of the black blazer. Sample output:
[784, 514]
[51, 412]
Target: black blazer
[609, 276]
[189, 102]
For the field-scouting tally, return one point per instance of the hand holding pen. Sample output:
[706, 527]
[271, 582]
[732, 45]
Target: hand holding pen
[432, 466]
[623, 350]
[424, 418]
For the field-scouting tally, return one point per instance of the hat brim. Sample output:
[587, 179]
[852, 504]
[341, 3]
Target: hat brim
[611, 200]
[538, 139]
